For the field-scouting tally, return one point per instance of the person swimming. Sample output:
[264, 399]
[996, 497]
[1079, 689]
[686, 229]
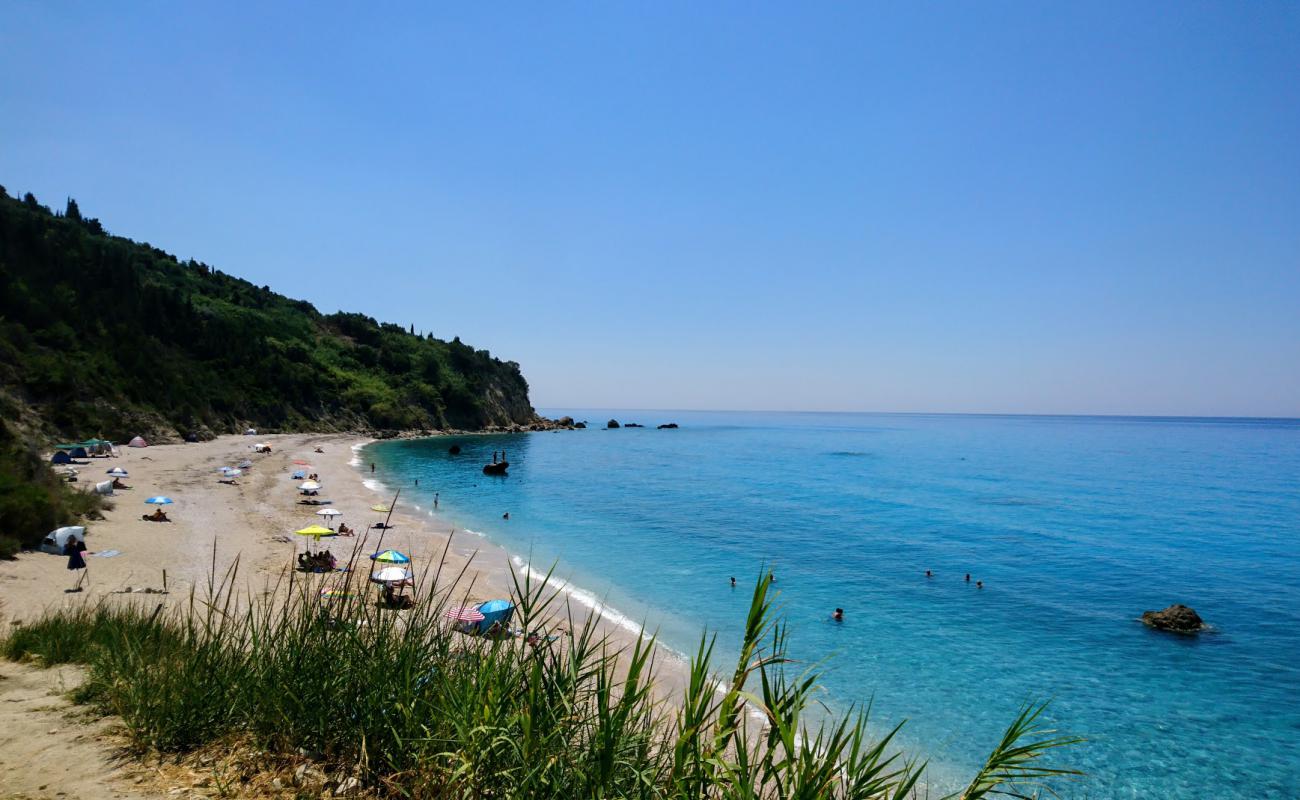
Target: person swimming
[733, 581]
[968, 577]
[505, 515]
[979, 584]
[838, 616]
[929, 574]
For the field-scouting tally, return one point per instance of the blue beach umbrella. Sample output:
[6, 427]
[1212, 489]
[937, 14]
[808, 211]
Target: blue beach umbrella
[391, 557]
[159, 501]
[117, 472]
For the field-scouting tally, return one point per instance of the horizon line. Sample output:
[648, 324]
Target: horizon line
[1241, 417]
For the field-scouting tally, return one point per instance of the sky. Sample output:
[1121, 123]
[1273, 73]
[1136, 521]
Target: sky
[944, 207]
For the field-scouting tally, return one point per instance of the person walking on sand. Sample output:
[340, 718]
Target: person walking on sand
[435, 501]
[73, 549]
[372, 468]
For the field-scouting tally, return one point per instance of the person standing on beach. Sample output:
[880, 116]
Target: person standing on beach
[435, 501]
[73, 549]
[372, 468]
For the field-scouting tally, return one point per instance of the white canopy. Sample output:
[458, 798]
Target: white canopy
[329, 512]
[309, 486]
[55, 541]
[104, 487]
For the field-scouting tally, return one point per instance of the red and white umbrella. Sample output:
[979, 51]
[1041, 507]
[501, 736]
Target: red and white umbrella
[465, 614]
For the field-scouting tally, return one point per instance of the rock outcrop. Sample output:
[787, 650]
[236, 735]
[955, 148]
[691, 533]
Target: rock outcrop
[668, 426]
[613, 423]
[1177, 618]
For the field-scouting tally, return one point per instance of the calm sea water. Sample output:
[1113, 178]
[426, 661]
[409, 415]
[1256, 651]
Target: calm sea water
[1075, 525]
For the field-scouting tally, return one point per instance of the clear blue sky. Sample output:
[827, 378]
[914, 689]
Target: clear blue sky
[1004, 207]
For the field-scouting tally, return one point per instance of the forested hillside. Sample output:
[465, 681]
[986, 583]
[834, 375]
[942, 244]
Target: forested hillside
[103, 336]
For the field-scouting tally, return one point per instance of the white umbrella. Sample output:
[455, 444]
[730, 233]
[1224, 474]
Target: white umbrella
[391, 575]
[309, 486]
[232, 473]
[117, 472]
[329, 512]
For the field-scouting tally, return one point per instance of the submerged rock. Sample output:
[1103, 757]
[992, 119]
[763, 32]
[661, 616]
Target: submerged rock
[667, 426]
[633, 425]
[613, 423]
[1177, 618]
[454, 449]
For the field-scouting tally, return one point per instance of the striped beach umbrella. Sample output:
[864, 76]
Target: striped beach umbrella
[117, 472]
[464, 614]
[309, 486]
[331, 593]
[391, 557]
[160, 501]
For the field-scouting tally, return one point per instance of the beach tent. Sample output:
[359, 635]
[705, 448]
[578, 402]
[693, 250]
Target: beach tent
[61, 457]
[79, 452]
[137, 442]
[261, 447]
[58, 538]
[251, 432]
[104, 487]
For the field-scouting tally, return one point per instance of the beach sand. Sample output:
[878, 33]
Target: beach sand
[248, 521]
[242, 520]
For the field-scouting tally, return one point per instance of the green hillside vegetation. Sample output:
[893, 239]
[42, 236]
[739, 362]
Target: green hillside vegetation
[104, 336]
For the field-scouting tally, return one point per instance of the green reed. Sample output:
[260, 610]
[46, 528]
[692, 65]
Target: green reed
[417, 709]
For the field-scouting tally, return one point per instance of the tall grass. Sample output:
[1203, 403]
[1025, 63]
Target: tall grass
[416, 709]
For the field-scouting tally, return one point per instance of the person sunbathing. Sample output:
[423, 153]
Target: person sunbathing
[344, 530]
[117, 484]
[157, 516]
[318, 450]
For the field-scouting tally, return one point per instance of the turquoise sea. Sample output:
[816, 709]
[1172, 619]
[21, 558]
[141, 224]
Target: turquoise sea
[1075, 524]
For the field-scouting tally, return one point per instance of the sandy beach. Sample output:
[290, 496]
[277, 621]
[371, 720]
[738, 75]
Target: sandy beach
[248, 521]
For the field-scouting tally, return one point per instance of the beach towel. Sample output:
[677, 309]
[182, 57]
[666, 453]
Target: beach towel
[107, 553]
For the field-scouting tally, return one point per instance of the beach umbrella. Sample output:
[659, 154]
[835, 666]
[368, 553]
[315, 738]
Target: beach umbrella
[117, 472]
[391, 557]
[331, 593]
[380, 509]
[299, 475]
[159, 501]
[232, 473]
[464, 614]
[309, 486]
[329, 512]
[245, 464]
[391, 575]
[315, 531]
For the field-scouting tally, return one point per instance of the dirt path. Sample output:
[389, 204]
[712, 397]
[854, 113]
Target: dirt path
[53, 750]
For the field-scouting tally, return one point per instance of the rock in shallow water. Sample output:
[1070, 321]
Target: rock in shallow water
[1177, 618]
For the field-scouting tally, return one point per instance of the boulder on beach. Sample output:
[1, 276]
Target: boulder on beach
[613, 423]
[667, 426]
[1177, 618]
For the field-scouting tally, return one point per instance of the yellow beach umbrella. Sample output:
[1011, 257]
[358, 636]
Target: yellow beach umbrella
[315, 531]
[380, 509]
